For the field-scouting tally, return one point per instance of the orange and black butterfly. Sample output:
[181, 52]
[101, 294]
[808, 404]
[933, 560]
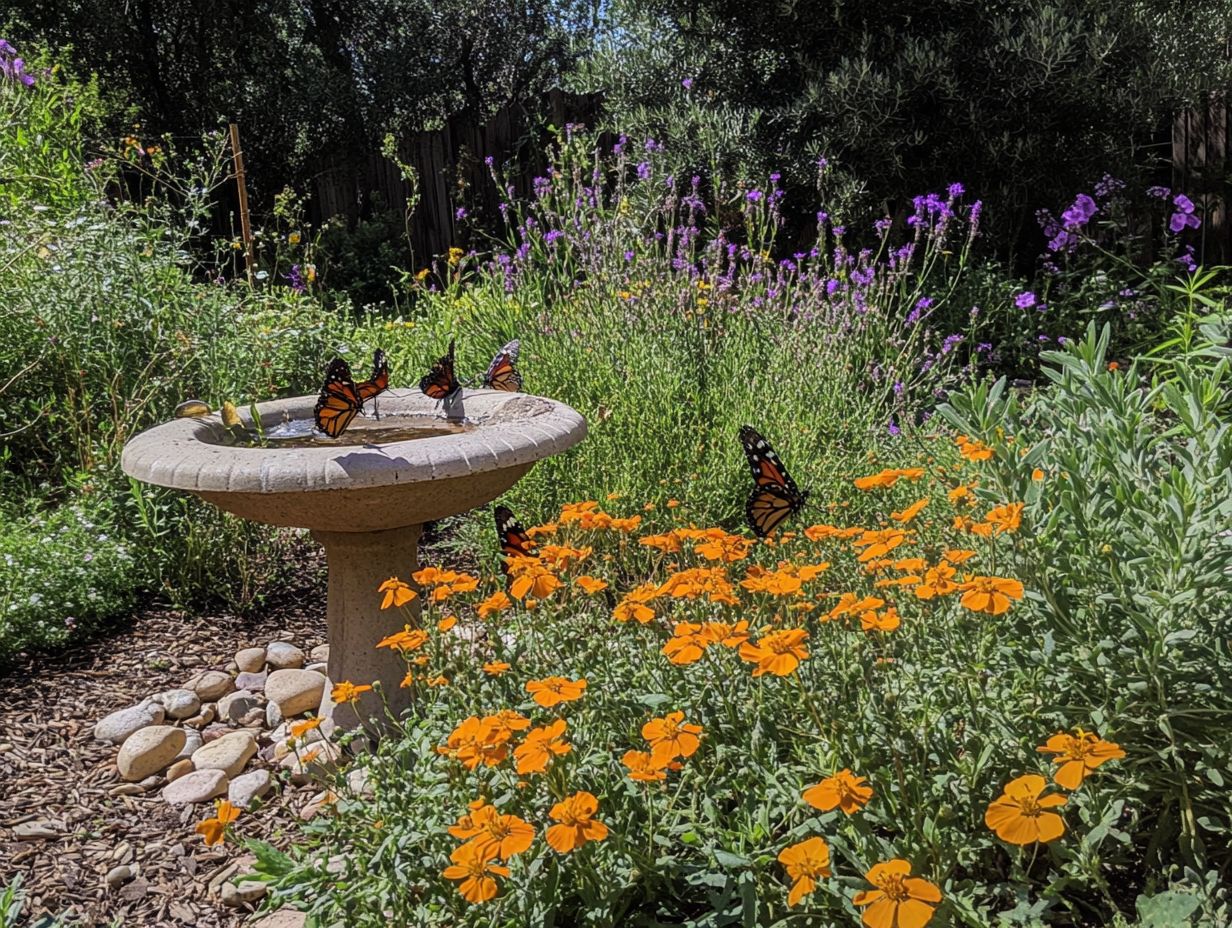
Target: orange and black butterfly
[514, 542]
[339, 401]
[775, 495]
[502, 375]
[371, 389]
[441, 382]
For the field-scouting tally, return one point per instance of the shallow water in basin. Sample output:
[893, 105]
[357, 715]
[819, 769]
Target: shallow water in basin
[301, 433]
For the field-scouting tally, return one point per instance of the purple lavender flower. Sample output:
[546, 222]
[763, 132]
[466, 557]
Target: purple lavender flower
[951, 342]
[552, 235]
[628, 255]
[460, 213]
[489, 161]
[1108, 186]
[753, 195]
[893, 429]
[643, 170]
[1025, 300]
[1080, 212]
[898, 388]
[619, 147]
[956, 190]
[652, 145]
[295, 279]
[1159, 193]
[883, 225]
[687, 83]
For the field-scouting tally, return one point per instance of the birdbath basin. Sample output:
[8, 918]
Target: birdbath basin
[364, 496]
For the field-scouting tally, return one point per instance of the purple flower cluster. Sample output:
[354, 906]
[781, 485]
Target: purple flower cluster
[295, 279]
[12, 67]
[1183, 217]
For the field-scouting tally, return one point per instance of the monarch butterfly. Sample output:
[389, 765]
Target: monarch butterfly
[775, 495]
[441, 382]
[339, 401]
[501, 374]
[514, 542]
[371, 389]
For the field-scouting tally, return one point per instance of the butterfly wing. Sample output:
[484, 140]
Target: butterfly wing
[380, 378]
[768, 506]
[502, 375]
[767, 469]
[339, 401]
[514, 542]
[441, 382]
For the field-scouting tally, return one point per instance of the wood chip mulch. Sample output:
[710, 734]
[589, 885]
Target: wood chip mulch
[65, 820]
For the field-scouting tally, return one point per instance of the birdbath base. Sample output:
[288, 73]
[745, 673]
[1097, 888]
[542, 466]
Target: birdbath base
[359, 562]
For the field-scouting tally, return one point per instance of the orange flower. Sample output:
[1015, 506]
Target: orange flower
[508, 721]
[475, 871]
[535, 580]
[960, 492]
[886, 478]
[299, 729]
[1078, 755]
[497, 602]
[668, 543]
[1005, 519]
[672, 503]
[886, 621]
[688, 643]
[347, 692]
[496, 835]
[551, 691]
[408, 639]
[878, 543]
[1037, 475]
[548, 528]
[990, 594]
[910, 512]
[446, 623]
[438, 680]
[821, 532]
[396, 593]
[805, 863]
[478, 741]
[972, 449]
[625, 526]
[844, 790]
[778, 653]
[848, 604]
[466, 826]
[578, 825]
[724, 547]
[957, 555]
[1018, 816]
[540, 746]
[644, 766]
[591, 585]
[698, 582]
[495, 668]
[213, 830]
[671, 737]
[564, 556]
[632, 606]
[730, 636]
[900, 900]
[937, 582]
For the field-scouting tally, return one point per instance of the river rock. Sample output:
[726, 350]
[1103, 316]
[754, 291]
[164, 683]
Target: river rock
[192, 741]
[319, 667]
[118, 876]
[273, 715]
[198, 786]
[281, 655]
[229, 753]
[295, 691]
[250, 660]
[148, 751]
[319, 653]
[179, 703]
[117, 726]
[181, 768]
[202, 718]
[234, 706]
[283, 918]
[248, 787]
[251, 681]
[211, 685]
[245, 892]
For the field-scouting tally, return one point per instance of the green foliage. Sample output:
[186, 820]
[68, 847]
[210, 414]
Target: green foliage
[1023, 101]
[62, 572]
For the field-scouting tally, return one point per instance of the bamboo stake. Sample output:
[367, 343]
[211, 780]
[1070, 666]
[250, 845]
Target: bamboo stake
[242, 188]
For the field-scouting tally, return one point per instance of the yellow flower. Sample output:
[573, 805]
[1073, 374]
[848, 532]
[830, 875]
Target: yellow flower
[293, 238]
[455, 255]
[347, 692]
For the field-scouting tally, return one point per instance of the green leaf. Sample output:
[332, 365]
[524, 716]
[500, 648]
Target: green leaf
[1166, 910]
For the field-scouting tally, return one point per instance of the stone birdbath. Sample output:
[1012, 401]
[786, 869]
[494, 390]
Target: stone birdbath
[364, 496]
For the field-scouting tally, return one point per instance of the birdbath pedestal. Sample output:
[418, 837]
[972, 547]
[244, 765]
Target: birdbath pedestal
[365, 497]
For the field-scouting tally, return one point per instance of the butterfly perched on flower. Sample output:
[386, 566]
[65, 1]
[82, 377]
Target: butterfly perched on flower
[514, 540]
[501, 374]
[339, 401]
[441, 383]
[775, 495]
[378, 383]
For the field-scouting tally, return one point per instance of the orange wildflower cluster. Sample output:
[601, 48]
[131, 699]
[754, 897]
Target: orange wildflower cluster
[444, 583]
[483, 740]
[633, 606]
[710, 583]
[539, 747]
[489, 836]
[971, 449]
[531, 577]
[822, 532]
[690, 640]
[878, 542]
[497, 602]
[908, 514]
[407, 640]
[588, 515]
[787, 580]
[671, 739]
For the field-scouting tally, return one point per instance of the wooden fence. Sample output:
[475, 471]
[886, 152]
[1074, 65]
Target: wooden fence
[451, 170]
[1200, 169]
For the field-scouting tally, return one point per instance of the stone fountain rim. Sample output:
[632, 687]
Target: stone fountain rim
[509, 430]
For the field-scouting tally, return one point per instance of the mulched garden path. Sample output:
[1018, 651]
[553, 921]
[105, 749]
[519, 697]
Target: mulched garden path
[64, 818]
